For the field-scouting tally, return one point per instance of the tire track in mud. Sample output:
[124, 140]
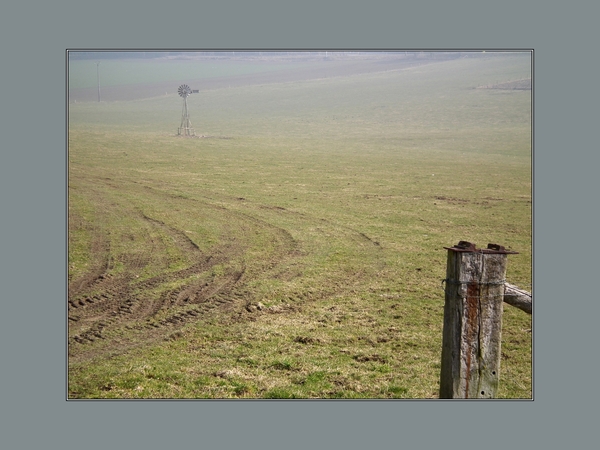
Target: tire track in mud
[122, 301]
[103, 307]
[113, 312]
[100, 250]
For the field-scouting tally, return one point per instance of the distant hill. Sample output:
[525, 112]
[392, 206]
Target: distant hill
[521, 85]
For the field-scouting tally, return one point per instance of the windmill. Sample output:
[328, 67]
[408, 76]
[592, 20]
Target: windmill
[185, 128]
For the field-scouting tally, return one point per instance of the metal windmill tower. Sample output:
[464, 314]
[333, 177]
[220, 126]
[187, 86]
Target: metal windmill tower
[185, 129]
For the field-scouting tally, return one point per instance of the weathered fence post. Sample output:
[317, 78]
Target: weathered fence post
[471, 338]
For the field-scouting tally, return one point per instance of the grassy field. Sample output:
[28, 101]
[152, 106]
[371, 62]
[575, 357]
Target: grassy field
[296, 250]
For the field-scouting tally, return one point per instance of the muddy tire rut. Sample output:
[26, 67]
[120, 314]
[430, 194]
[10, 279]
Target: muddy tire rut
[111, 310]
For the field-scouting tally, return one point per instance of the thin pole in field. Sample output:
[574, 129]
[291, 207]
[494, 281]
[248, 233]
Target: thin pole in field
[98, 77]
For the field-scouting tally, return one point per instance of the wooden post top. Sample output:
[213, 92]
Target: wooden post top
[464, 246]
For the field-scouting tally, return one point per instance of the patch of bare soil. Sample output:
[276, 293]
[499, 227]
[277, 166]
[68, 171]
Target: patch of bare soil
[451, 200]
[111, 312]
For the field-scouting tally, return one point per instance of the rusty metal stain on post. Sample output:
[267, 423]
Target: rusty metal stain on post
[472, 328]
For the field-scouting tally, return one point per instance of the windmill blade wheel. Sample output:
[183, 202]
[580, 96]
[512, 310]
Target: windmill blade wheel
[184, 90]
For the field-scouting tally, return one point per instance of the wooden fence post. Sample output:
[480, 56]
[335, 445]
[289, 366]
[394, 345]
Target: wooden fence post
[472, 333]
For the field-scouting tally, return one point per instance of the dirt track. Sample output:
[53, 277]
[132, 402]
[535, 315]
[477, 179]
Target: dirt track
[110, 312]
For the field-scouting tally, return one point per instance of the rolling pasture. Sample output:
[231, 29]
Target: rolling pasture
[294, 248]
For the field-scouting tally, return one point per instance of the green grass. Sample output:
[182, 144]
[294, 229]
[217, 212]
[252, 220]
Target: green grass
[335, 198]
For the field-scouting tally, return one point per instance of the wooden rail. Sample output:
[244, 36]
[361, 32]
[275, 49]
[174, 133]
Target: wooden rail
[518, 298]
